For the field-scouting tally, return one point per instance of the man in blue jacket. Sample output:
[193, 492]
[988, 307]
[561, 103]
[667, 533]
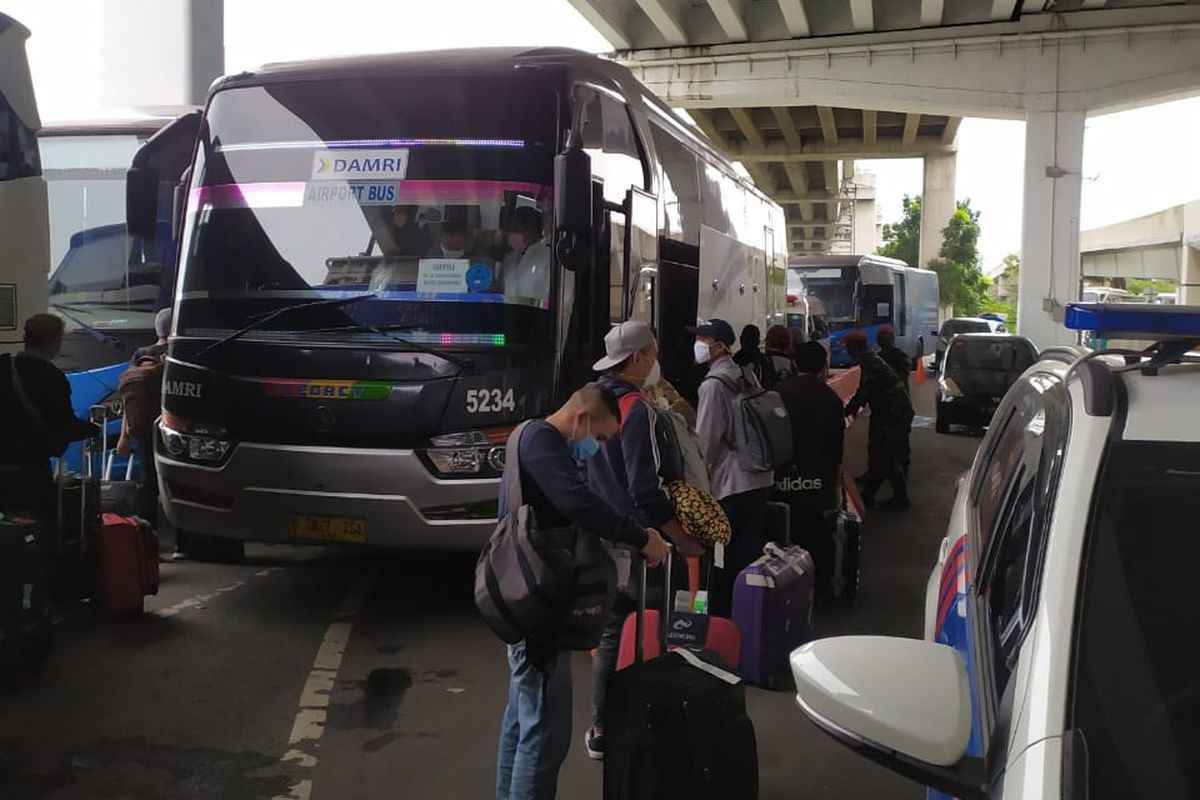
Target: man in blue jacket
[629, 472]
[535, 734]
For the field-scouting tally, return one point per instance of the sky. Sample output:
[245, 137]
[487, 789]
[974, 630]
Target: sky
[1135, 162]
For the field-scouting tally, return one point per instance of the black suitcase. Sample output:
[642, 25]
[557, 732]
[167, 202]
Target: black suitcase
[676, 728]
[26, 631]
[846, 551]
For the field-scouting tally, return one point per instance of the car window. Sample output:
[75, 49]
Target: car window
[1006, 355]
[1135, 695]
[1014, 498]
[953, 326]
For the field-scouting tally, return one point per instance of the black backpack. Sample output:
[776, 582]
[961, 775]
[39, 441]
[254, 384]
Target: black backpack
[554, 586]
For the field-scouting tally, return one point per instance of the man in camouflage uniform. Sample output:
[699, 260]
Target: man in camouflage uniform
[891, 420]
[893, 356]
[900, 363]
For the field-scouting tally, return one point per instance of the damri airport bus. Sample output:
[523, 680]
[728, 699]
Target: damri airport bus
[865, 292]
[105, 283]
[23, 224]
[358, 325]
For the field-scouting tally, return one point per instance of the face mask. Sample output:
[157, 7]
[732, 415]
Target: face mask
[702, 353]
[653, 377]
[452, 253]
[516, 241]
[583, 450]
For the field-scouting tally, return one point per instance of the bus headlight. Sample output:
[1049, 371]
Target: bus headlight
[202, 445]
[477, 453]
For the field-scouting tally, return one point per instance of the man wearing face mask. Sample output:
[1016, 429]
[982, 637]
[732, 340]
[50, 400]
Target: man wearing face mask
[526, 267]
[629, 472]
[535, 733]
[742, 494]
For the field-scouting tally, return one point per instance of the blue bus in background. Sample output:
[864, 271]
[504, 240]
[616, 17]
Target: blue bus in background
[865, 293]
[106, 284]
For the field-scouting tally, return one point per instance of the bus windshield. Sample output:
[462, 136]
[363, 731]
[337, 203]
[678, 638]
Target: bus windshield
[432, 198]
[835, 288]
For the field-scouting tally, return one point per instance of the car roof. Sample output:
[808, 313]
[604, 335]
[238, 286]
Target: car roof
[1153, 406]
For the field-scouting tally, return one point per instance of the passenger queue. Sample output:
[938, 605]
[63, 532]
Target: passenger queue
[611, 466]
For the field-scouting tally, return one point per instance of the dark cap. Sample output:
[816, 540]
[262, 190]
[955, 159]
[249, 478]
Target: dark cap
[886, 330]
[718, 329]
[855, 338]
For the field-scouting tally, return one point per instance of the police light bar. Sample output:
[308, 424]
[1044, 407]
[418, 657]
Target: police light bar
[1128, 321]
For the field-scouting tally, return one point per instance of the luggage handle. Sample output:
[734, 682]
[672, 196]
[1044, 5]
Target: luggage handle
[639, 625]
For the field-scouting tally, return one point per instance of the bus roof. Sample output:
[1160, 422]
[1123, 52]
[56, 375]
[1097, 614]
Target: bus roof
[144, 121]
[483, 59]
[847, 261]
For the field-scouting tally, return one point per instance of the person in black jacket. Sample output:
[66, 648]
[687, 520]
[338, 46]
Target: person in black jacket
[629, 472]
[811, 484]
[748, 356]
[535, 735]
[893, 356]
[36, 420]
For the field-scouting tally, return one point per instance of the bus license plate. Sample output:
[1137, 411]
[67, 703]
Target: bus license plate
[329, 529]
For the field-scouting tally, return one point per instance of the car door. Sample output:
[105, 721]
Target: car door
[992, 570]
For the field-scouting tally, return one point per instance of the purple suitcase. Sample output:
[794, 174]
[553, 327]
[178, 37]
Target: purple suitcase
[772, 607]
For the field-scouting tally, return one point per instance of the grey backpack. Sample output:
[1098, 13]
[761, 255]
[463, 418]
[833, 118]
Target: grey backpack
[553, 585]
[762, 429]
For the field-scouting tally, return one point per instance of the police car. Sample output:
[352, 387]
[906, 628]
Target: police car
[1062, 649]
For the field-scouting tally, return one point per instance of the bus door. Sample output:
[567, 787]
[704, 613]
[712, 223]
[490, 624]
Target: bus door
[900, 314]
[876, 299]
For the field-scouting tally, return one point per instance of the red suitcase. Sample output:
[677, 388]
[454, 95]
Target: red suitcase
[126, 564]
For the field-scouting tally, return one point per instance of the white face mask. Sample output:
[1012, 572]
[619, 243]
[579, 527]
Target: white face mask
[703, 354]
[452, 253]
[653, 377]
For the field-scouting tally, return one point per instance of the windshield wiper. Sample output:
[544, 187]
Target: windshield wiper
[462, 362]
[258, 322]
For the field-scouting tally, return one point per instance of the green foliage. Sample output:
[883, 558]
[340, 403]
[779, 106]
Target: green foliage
[1006, 310]
[1141, 285]
[902, 239]
[1012, 267]
[963, 285]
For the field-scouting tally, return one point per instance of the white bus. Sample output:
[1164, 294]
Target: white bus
[24, 231]
[865, 293]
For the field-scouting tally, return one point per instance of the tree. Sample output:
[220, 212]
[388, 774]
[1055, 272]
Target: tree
[902, 240]
[962, 282]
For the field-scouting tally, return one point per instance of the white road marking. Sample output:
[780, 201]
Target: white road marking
[312, 711]
[198, 601]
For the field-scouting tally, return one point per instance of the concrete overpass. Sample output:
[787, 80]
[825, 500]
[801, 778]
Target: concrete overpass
[879, 79]
[1163, 245]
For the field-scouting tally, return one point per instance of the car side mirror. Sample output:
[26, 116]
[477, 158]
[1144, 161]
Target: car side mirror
[573, 203]
[904, 703]
[141, 201]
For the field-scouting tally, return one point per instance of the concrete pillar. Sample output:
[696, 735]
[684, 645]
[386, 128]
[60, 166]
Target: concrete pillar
[937, 204]
[160, 52]
[1189, 275]
[1050, 226]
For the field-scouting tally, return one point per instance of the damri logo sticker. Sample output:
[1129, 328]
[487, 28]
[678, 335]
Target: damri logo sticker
[329, 390]
[358, 165]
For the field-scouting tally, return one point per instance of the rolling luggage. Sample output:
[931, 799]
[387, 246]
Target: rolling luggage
[26, 629]
[126, 564]
[846, 550]
[676, 726]
[118, 496]
[772, 607]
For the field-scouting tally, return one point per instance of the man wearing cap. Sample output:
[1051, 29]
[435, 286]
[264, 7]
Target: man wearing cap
[742, 494]
[891, 419]
[629, 472]
[893, 356]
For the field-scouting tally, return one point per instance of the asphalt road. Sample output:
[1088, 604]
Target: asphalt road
[332, 675]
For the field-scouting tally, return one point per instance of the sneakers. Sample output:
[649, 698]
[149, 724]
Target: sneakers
[179, 555]
[593, 742]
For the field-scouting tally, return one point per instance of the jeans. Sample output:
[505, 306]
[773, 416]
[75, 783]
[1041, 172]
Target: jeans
[747, 514]
[535, 734]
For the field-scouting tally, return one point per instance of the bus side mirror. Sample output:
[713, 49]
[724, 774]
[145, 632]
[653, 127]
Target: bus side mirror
[573, 203]
[141, 201]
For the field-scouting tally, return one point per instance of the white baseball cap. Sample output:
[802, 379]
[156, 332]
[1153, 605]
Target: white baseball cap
[622, 341]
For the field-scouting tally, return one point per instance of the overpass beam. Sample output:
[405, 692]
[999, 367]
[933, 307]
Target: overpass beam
[937, 203]
[1050, 226]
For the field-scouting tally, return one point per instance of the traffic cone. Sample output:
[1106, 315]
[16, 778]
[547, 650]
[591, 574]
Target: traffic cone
[920, 379]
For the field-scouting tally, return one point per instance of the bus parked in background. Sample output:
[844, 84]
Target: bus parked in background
[105, 283]
[388, 262]
[23, 226]
[865, 292]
